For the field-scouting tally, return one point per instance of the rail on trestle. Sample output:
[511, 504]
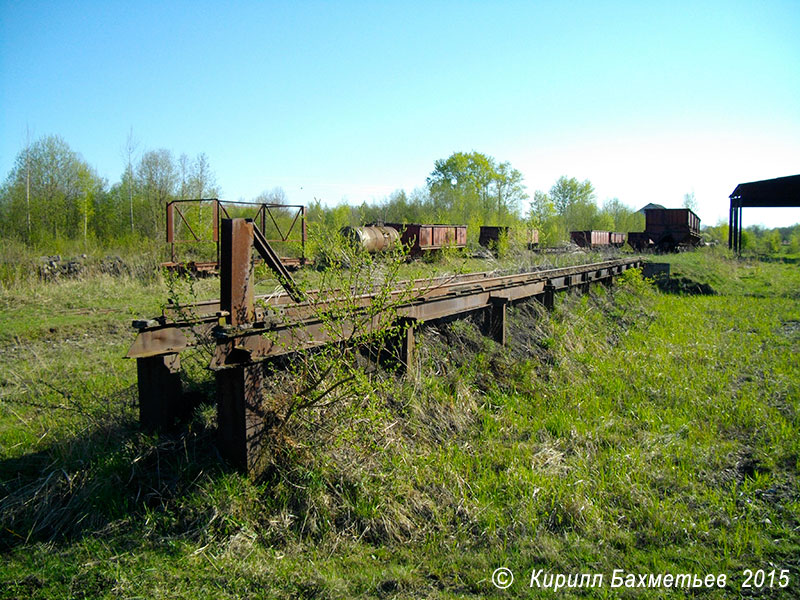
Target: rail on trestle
[248, 335]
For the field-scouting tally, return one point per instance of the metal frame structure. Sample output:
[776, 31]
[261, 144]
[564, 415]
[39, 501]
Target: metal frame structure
[248, 336]
[219, 211]
[768, 193]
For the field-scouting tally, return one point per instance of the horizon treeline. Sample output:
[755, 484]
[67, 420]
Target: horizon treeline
[52, 194]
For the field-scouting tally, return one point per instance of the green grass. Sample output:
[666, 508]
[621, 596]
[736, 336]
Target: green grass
[745, 277]
[635, 430]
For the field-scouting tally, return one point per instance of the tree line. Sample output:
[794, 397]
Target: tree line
[52, 193]
[759, 240]
[475, 189]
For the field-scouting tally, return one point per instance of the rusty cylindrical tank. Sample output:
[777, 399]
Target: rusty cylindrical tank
[374, 238]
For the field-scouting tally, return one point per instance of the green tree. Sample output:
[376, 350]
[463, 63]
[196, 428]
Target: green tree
[473, 187]
[544, 218]
[794, 240]
[48, 193]
[772, 242]
[128, 151]
[569, 192]
[202, 182]
[582, 215]
[748, 240]
[91, 187]
[574, 202]
[112, 210]
[623, 218]
[717, 234]
[603, 222]
[689, 201]
[157, 180]
[509, 189]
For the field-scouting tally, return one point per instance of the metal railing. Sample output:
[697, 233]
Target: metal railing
[197, 221]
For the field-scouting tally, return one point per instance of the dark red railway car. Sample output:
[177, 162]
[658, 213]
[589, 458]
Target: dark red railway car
[533, 239]
[490, 235]
[667, 230]
[591, 239]
[423, 238]
[616, 239]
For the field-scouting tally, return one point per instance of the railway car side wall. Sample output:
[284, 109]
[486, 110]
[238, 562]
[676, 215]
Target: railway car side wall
[490, 234]
[590, 239]
[421, 238]
[659, 220]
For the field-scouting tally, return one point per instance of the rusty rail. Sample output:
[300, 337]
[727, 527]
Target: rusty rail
[247, 335]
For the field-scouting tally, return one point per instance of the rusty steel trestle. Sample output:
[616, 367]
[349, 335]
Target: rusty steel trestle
[248, 335]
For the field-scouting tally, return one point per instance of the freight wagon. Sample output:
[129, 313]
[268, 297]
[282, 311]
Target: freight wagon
[425, 238]
[490, 235]
[533, 239]
[591, 239]
[418, 238]
[373, 238]
[667, 230]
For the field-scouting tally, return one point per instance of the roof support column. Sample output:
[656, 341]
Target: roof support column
[739, 230]
[730, 227]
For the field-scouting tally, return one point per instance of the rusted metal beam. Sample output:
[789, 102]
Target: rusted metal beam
[427, 300]
[303, 233]
[262, 342]
[242, 422]
[170, 229]
[160, 393]
[218, 209]
[273, 261]
[236, 274]
[420, 288]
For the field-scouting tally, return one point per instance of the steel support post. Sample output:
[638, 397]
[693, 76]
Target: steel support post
[242, 425]
[730, 227]
[303, 235]
[549, 298]
[171, 230]
[739, 231]
[495, 320]
[407, 344]
[236, 271]
[239, 389]
[160, 394]
[215, 226]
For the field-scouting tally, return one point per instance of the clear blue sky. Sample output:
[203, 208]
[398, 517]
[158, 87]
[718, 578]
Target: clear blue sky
[352, 100]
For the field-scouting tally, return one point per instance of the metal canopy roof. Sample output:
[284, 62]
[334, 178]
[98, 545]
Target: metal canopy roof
[779, 192]
[650, 206]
